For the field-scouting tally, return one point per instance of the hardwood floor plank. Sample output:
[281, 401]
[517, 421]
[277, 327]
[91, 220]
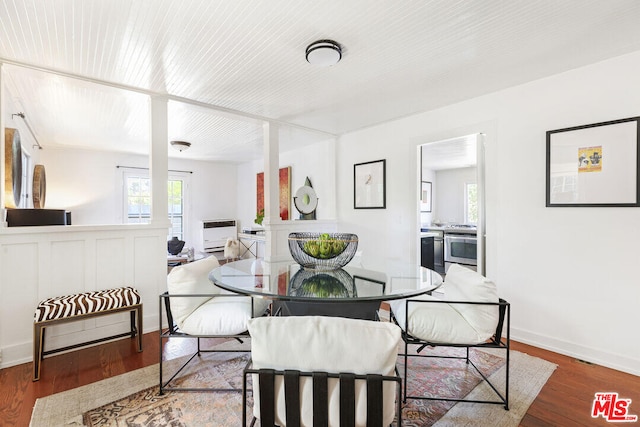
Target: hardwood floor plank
[564, 401]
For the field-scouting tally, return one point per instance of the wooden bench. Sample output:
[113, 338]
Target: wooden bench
[82, 306]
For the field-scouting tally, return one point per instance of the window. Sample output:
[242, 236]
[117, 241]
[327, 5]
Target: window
[138, 195]
[176, 208]
[138, 202]
[471, 203]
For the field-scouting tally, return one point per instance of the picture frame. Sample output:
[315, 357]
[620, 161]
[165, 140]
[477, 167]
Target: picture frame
[369, 185]
[284, 195]
[594, 165]
[425, 196]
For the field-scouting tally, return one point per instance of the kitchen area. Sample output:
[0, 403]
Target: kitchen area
[449, 213]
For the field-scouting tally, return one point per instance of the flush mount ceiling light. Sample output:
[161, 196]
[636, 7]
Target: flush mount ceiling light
[180, 145]
[324, 53]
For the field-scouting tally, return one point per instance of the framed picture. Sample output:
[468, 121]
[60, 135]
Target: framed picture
[594, 165]
[284, 179]
[425, 197]
[369, 182]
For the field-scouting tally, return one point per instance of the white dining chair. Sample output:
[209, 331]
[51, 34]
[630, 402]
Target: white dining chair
[471, 315]
[327, 370]
[196, 308]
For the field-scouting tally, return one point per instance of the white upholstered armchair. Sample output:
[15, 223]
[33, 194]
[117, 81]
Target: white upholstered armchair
[470, 315]
[196, 308]
[326, 370]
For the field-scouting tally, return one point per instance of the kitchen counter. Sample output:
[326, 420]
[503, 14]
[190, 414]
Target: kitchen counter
[429, 234]
[451, 228]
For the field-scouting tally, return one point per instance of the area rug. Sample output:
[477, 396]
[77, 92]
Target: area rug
[102, 403]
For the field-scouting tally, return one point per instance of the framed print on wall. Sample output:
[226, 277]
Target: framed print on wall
[594, 165]
[369, 182]
[284, 180]
[425, 196]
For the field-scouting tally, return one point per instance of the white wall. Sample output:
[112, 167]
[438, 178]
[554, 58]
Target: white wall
[212, 194]
[315, 161]
[90, 185]
[569, 273]
[426, 218]
[449, 194]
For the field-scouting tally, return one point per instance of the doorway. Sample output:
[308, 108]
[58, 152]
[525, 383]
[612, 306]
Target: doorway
[453, 172]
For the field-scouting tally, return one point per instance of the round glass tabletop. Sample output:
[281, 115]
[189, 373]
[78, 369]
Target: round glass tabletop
[288, 281]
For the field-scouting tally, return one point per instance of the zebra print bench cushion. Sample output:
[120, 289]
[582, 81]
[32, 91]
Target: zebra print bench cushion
[85, 303]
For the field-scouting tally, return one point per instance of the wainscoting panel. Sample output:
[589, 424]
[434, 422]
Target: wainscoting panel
[109, 253]
[18, 289]
[41, 262]
[66, 274]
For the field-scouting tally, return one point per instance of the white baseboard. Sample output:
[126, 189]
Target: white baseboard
[20, 353]
[593, 355]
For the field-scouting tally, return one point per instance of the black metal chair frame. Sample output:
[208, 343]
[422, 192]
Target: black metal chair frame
[374, 384]
[496, 341]
[172, 331]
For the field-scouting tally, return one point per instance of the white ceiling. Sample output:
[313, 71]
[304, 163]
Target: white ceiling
[226, 65]
[452, 153]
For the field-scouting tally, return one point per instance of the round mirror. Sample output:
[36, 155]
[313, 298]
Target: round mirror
[12, 167]
[39, 187]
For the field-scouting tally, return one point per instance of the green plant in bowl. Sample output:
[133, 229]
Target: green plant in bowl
[324, 247]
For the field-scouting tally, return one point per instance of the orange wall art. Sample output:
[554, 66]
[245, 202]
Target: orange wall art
[285, 192]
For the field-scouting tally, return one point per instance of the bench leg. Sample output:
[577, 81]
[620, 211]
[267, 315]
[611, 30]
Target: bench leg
[132, 316]
[38, 344]
[138, 312]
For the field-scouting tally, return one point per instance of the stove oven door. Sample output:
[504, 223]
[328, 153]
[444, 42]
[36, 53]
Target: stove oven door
[461, 249]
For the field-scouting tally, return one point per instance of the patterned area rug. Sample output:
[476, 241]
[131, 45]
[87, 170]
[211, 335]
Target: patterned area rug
[447, 377]
[149, 408]
[92, 405]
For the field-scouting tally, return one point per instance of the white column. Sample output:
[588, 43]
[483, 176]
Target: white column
[2, 171]
[159, 160]
[271, 154]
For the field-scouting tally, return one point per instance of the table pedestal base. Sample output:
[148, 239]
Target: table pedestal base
[356, 310]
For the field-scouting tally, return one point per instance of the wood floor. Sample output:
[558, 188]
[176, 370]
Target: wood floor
[565, 400]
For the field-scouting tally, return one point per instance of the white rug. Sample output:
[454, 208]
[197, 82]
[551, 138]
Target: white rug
[528, 375]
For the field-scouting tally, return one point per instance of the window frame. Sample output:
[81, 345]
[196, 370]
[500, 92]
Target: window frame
[467, 219]
[144, 174]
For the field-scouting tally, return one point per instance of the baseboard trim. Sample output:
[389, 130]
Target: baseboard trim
[589, 354]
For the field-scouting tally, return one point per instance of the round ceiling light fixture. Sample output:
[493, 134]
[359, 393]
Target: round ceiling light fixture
[180, 145]
[324, 53]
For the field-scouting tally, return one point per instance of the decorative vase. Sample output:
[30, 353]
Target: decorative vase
[174, 246]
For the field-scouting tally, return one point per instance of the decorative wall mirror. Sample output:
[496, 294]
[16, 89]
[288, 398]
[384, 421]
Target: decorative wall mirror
[39, 187]
[12, 168]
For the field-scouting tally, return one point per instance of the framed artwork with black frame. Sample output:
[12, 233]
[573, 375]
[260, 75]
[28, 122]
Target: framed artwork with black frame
[369, 185]
[594, 165]
[425, 196]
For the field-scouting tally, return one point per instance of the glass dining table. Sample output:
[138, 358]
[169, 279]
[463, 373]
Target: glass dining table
[351, 291]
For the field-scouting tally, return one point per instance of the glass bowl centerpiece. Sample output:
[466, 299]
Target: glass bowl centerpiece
[322, 251]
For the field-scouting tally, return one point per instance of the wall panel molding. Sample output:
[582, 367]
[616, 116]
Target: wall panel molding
[55, 261]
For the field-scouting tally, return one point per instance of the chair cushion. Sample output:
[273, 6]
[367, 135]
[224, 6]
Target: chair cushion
[190, 278]
[222, 315]
[435, 322]
[85, 303]
[464, 284]
[453, 323]
[330, 344]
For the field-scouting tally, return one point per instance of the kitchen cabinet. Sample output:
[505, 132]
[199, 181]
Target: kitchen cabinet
[427, 252]
[438, 247]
